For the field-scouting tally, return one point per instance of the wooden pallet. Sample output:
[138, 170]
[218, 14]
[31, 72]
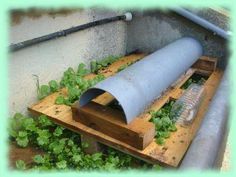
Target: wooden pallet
[169, 154]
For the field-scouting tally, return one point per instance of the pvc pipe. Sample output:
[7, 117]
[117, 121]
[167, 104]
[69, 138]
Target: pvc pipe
[202, 22]
[128, 16]
[205, 147]
[138, 85]
[14, 47]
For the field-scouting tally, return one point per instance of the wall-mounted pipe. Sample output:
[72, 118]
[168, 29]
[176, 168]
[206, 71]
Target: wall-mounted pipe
[14, 47]
[138, 85]
[206, 145]
[202, 22]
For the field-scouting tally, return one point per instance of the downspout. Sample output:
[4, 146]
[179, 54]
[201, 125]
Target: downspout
[14, 47]
[204, 23]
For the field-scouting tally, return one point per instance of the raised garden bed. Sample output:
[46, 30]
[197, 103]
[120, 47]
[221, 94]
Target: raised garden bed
[166, 149]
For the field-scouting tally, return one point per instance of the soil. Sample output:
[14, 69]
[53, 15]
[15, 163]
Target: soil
[25, 154]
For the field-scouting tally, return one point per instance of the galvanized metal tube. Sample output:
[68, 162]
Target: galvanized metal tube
[138, 85]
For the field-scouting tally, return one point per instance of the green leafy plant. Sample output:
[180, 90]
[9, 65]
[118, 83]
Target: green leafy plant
[22, 138]
[68, 80]
[63, 148]
[39, 159]
[20, 165]
[76, 85]
[60, 100]
[45, 90]
[98, 65]
[195, 78]
[82, 71]
[54, 87]
[74, 81]
[163, 123]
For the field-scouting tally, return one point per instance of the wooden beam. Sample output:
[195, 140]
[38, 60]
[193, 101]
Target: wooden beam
[139, 133]
[205, 65]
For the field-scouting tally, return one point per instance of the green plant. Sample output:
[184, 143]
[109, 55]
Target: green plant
[75, 85]
[164, 125]
[53, 85]
[68, 80]
[98, 65]
[195, 78]
[45, 90]
[63, 148]
[74, 81]
[20, 165]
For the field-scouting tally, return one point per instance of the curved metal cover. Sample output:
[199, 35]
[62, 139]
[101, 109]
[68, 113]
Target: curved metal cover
[138, 85]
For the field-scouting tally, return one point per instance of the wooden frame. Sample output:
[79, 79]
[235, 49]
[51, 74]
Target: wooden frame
[173, 150]
[139, 133]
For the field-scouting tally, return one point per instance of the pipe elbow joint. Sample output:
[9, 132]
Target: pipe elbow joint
[128, 16]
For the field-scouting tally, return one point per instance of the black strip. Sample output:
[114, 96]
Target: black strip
[30, 42]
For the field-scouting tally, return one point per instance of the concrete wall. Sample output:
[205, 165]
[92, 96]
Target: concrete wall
[48, 60]
[151, 30]
[147, 32]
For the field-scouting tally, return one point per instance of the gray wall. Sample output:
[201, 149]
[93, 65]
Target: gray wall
[48, 60]
[151, 30]
[147, 32]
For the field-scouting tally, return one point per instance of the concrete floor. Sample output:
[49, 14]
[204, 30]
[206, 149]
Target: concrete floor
[226, 164]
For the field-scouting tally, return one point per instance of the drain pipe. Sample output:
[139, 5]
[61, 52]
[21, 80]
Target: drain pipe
[14, 47]
[205, 148]
[202, 22]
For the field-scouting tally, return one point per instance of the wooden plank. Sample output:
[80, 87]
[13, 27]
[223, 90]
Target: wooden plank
[112, 69]
[180, 140]
[139, 133]
[104, 99]
[173, 150]
[205, 64]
